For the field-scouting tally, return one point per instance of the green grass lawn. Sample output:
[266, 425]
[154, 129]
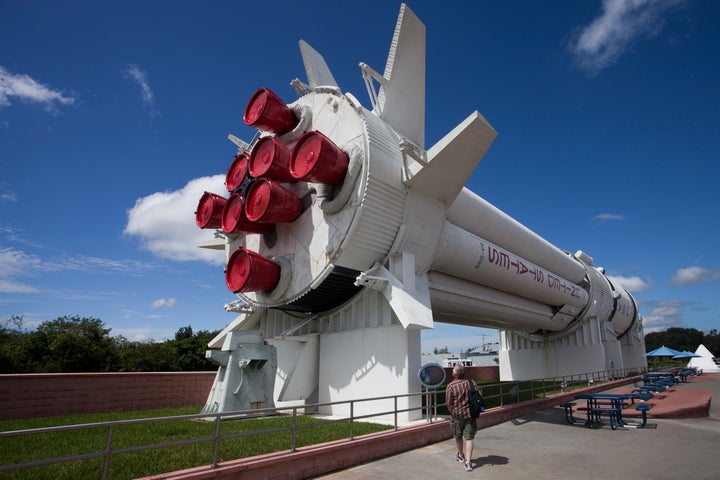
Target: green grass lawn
[138, 464]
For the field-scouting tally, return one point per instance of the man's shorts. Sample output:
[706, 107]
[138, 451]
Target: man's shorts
[463, 427]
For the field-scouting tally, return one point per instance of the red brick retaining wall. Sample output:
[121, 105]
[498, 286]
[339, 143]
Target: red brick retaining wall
[44, 395]
[488, 373]
[49, 394]
[319, 459]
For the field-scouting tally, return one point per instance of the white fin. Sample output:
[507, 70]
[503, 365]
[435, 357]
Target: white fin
[318, 73]
[402, 99]
[453, 159]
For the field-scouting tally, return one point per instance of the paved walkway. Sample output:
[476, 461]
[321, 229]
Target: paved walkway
[543, 446]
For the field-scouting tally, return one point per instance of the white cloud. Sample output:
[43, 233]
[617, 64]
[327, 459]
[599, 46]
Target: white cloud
[17, 264]
[8, 197]
[16, 235]
[14, 264]
[607, 217]
[631, 284]
[144, 333]
[621, 23]
[694, 275]
[163, 303]
[140, 77]
[11, 286]
[165, 222]
[663, 315]
[27, 89]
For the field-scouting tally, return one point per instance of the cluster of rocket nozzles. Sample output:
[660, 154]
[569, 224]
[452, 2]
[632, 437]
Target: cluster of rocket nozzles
[258, 200]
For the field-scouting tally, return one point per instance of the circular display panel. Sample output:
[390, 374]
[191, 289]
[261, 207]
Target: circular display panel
[431, 375]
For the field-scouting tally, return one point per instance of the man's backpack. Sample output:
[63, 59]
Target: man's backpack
[475, 399]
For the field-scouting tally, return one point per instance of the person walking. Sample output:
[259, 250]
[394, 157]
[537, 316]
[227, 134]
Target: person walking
[462, 424]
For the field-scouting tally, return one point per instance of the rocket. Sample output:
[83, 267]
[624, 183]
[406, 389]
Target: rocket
[332, 197]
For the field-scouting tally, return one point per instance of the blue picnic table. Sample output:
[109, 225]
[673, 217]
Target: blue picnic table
[610, 404]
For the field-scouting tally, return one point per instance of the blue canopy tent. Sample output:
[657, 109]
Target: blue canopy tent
[663, 352]
[686, 354]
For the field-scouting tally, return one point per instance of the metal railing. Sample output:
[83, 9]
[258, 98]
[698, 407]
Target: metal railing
[218, 437]
[495, 395]
[506, 393]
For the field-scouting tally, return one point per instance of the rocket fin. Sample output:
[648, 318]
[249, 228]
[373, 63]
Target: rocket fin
[401, 99]
[318, 73]
[302, 380]
[453, 159]
[411, 306]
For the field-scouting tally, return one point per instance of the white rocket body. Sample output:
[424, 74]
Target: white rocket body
[473, 264]
[403, 223]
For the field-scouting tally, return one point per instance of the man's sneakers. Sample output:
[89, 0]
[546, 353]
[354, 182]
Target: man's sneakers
[461, 458]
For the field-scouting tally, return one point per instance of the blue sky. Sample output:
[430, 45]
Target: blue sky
[114, 119]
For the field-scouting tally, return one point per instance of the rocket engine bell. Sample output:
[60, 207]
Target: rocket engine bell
[334, 197]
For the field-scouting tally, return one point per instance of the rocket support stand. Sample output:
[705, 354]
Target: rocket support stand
[589, 346]
[358, 351]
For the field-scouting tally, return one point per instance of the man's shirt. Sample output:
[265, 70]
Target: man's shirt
[457, 395]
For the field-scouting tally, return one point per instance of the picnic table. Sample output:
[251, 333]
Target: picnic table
[610, 404]
[667, 378]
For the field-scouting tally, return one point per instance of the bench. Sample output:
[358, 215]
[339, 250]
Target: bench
[643, 408]
[685, 373]
[668, 379]
[643, 395]
[653, 388]
[568, 406]
[613, 413]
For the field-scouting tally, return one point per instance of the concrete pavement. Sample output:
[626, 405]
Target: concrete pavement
[542, 445]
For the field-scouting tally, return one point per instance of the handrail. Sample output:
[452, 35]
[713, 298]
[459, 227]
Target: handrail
[431, 413]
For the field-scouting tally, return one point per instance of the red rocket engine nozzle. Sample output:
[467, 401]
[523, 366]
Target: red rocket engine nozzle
[266, 111]
[209, 211]
[270, 158]
[248, 271]
[270, 202]
[316, 158]
[237, 172]
[234, 219]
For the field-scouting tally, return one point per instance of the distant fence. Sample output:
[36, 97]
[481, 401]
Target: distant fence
[44, 395]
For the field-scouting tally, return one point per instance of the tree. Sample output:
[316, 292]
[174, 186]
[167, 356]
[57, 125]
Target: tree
[184, 333]
[677, 338]
[145, 356]
[73, 344]
[14, 340]
[190, 349]
[711, 340]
